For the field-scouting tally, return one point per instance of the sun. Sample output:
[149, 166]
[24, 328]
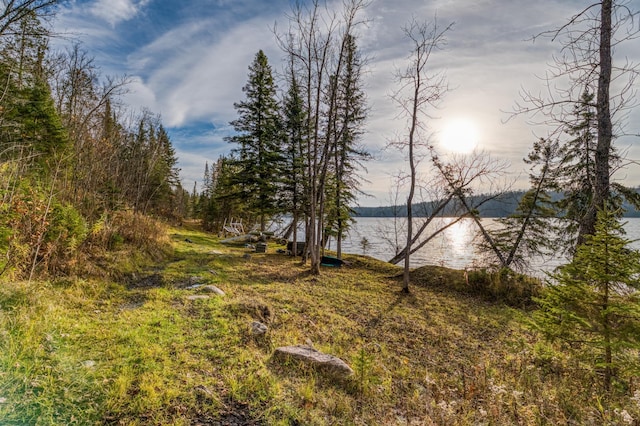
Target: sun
[459, 135]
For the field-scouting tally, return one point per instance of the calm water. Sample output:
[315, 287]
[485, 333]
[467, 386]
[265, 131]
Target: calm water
[453, 248]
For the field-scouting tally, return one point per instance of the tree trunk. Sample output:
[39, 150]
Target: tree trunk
[605, 126]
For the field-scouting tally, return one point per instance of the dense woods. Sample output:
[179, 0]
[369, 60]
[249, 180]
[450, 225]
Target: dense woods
[73, 159]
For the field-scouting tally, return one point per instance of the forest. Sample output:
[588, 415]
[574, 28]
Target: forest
[93, 210]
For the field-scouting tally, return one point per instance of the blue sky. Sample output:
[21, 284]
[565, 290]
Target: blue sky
[188, 61]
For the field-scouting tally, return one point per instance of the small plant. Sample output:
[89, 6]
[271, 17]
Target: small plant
[362, 365]
[365, 245]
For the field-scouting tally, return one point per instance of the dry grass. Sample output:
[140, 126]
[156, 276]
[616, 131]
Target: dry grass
[434, 357]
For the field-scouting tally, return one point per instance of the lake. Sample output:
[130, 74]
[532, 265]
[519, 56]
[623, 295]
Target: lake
[453, 248]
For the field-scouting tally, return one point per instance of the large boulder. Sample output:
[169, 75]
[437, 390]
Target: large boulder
[325, 363]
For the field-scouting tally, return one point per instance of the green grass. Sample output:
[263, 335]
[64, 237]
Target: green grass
[137, 352]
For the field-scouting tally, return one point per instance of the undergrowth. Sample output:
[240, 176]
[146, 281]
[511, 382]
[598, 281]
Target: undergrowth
[134, 350]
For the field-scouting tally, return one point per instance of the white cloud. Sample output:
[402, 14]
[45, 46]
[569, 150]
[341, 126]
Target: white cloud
[116, 11]
[194, 71]
[139, 95]
[203, 81]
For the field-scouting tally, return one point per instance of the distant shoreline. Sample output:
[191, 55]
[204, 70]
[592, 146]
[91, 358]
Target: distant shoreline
[499, 206]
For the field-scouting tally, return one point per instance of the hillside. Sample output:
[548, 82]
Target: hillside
[136, 350]
[500, 206]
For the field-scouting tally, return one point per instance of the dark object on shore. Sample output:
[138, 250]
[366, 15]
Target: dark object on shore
[188, 241]
[331, 261]
[261, 248]
[300, 245]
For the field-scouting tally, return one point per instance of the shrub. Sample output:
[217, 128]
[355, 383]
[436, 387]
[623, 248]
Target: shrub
[504, 285]
[66, 230]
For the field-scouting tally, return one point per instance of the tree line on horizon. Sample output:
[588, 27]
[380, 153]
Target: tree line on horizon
[502, 206]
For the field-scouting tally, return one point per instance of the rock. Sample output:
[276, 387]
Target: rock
[246, 256]
[3, 400]
[258, 328]
[187, 240]
[329, 364]
[213, 289]
[191, 282]
[203, 391]
[198, 297]
[88, 363]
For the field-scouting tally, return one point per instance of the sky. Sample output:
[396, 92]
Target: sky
[188, 62]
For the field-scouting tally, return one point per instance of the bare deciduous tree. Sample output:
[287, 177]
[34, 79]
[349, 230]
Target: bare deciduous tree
[419, 90]
[13, 11]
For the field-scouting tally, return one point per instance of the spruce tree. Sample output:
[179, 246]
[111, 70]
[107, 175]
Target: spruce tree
[349, 115]
[294, 188]
[258, 128]
[592, 304]
[529, 230]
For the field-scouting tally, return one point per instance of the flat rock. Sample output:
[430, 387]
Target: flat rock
[198, 297]
[213, 289]
[329, 364]
[258, 328]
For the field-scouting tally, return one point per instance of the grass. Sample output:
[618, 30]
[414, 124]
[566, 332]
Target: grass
[135, 351]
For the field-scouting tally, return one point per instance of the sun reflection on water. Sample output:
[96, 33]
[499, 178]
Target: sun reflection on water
[459, 235]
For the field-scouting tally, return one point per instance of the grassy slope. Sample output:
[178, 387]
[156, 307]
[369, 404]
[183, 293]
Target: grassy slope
[92, 352]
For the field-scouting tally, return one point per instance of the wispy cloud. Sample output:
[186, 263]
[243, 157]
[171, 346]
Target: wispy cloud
[203, 81]
[116, 11]
[188, 61]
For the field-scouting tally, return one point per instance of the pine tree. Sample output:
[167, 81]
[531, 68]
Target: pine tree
[350, 114]
[293, 189]
[259, 137]
[592, 304]
[578, 170]
[527, 232]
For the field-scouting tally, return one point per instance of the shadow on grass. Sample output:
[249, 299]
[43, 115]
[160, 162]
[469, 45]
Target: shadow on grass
[399, 300]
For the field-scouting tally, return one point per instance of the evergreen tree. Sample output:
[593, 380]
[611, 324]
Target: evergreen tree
[224, 202]
[578, 170]
[293, 189]
[527, 231]
[349, 116]
[258, 156]
[163, 174]
[592, 304]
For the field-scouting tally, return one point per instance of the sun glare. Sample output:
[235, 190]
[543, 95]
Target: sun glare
[459, 135]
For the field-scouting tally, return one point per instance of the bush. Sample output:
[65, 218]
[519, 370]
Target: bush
[65, 231]
[116, 230]
[504, 285]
